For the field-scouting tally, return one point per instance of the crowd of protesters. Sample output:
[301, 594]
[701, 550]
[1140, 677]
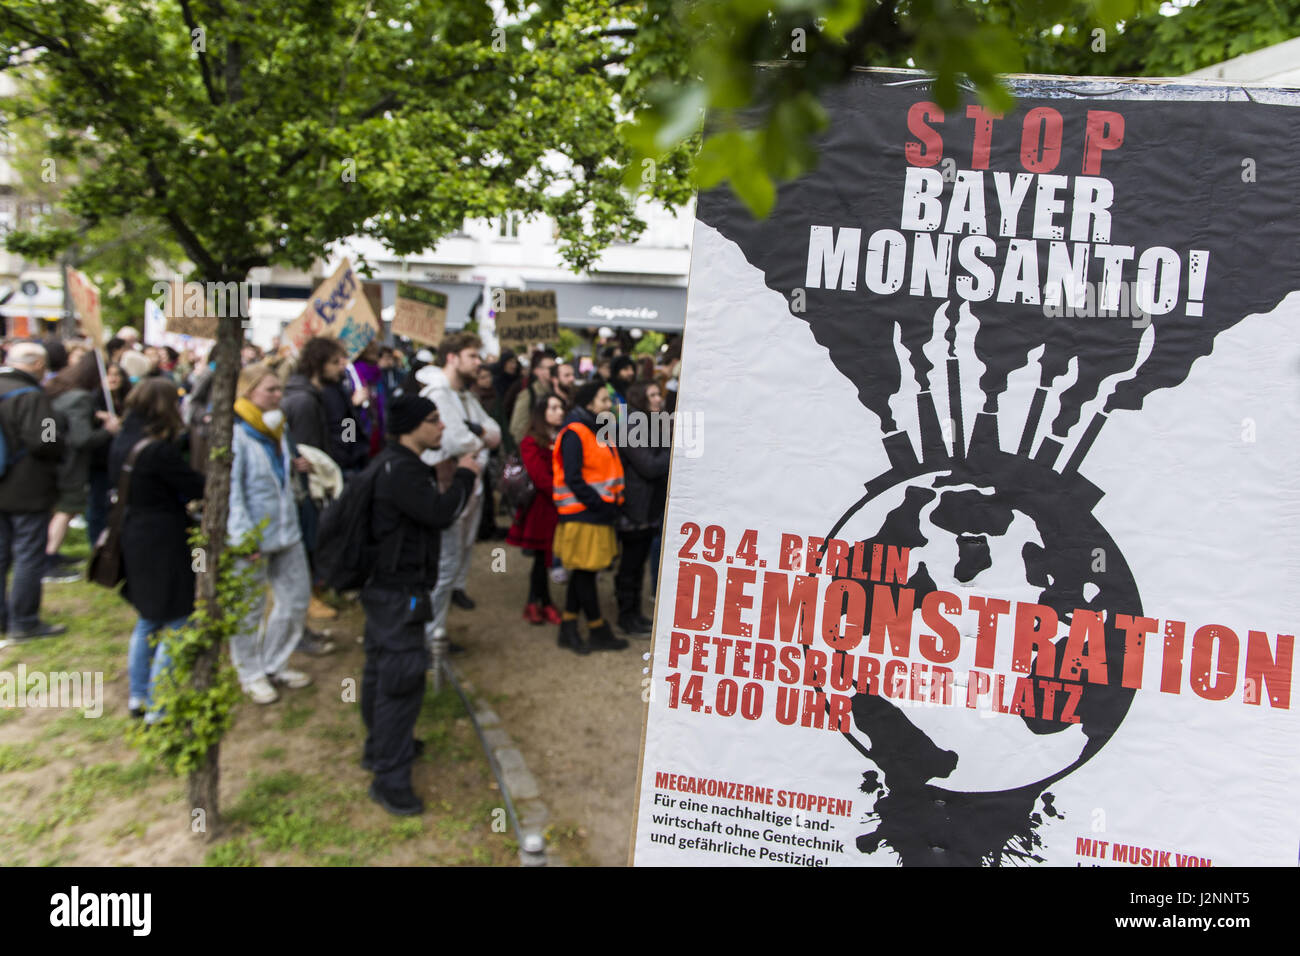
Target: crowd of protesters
[453, 447]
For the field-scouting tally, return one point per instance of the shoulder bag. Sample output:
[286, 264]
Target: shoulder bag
[105, 567]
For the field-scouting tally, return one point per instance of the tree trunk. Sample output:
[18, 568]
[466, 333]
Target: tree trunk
[203, 781]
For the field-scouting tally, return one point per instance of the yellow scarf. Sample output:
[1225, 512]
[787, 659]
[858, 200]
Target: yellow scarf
[253, 415]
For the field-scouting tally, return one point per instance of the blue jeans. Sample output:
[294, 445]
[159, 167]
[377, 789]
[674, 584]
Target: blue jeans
[144, 662]
[22, 547]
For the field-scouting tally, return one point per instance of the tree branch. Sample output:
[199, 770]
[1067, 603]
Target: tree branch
[188, 14]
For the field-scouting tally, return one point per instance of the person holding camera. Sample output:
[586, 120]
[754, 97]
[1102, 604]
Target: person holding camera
[408, 516]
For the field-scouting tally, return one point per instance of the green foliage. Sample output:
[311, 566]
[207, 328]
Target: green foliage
[649, 344]
[762, 124]
[119, 256]
[566, 344]
[1151, 43]
[294, 123]
[193, 720]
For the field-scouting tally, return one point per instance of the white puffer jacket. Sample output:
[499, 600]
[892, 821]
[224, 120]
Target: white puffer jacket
[454, 408]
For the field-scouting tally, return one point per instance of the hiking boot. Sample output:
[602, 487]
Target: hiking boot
[461, 599]
[601, 638]
[320, 610]
[552, 614]
[570, 638]
[400, 803]
[533, 613]
[633, 624]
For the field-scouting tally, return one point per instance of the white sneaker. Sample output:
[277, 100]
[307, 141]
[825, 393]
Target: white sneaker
[260, 691]
[294, 680]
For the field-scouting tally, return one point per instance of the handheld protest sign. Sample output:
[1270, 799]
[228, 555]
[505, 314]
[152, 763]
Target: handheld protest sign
[527, 318]
[337, 309]
[986, 557]
[419, 314]
[85, 300]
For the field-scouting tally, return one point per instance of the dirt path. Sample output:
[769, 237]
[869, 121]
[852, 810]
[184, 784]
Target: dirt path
[577, 720]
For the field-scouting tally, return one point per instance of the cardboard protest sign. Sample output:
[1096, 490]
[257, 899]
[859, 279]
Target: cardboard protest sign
[337, 309]
[187, 310]
[528, 317]
[419, 314]
[85, 300]
[374, 292]
[988, 556]
[157, 333]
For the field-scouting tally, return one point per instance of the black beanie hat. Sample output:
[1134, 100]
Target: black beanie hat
[406, 412]
[620, 363]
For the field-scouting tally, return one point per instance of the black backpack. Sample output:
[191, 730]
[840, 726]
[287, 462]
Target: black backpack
[346, 552]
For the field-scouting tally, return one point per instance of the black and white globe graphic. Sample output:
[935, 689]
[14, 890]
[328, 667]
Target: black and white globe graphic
[960, 786]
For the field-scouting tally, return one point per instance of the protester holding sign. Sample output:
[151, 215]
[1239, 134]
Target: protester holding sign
[72, 395]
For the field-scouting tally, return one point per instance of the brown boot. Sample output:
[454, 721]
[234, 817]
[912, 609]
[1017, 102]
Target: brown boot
[320, 610]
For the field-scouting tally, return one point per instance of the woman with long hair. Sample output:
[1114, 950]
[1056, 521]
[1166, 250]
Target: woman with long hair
[534, 526]
[262, 489]
[587, 487]
[645, 468]
[72, 394]
[155, 545]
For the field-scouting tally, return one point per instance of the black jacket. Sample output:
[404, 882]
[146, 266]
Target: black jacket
[155, 547]
[304, 412]
[83, 439]
[348, 455]
[597, 510]
[645, 475]
[34, 437]
[408, 513]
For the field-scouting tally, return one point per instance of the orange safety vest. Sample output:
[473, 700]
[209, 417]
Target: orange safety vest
[601, 468]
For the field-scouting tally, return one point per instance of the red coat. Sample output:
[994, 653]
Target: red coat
[534, 527]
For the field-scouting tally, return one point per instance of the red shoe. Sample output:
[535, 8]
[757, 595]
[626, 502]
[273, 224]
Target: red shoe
[533, 613]
[551, 614]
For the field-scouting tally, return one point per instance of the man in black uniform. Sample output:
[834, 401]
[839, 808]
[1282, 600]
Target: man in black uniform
[407, 516]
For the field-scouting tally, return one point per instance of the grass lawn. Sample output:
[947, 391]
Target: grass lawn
[72, 790]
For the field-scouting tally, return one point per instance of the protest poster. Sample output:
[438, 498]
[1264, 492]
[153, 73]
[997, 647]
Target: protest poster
[337, 309]
[419, 314]
[527, 318]
[374, 292]
[188, 312]
[988, 555]
[85, 301]
[157, 333]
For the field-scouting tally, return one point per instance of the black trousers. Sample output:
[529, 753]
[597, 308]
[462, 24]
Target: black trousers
[392, 684]
[630, 576]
